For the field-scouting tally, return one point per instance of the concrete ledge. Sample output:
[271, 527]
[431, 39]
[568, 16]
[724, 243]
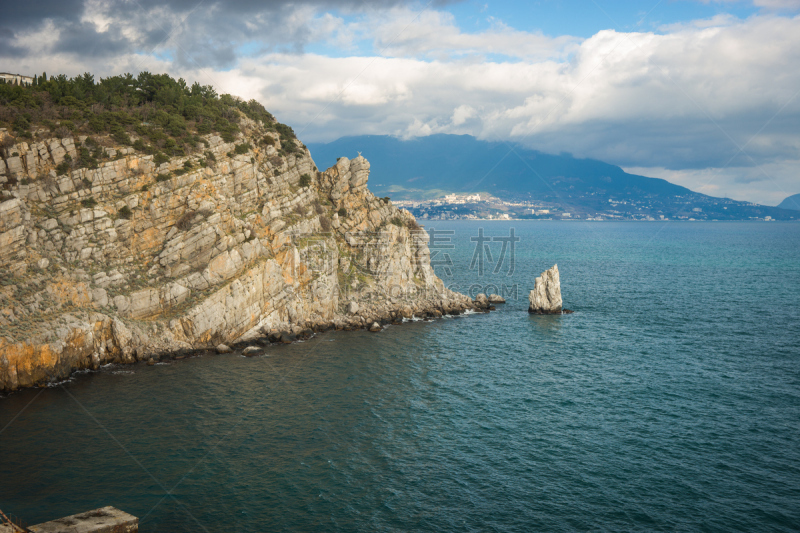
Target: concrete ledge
[103, 520]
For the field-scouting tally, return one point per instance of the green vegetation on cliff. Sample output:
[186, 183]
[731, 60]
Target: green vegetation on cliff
[153, 113]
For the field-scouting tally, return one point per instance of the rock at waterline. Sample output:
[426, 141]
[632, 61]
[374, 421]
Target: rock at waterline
[545, 298]
[375, 327]
[496, 299]
[223, 348]
[250, 351]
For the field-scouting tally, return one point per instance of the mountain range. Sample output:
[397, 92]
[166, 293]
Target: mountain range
[429, 167]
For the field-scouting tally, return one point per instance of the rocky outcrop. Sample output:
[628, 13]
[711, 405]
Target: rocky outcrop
[545, 298]
[134, 261]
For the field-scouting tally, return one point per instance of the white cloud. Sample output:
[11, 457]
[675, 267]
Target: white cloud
[434, 34]
[678, 104]
[461, 114]
[768, 184]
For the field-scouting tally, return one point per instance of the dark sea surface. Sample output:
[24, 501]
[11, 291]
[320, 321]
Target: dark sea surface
[669, 401]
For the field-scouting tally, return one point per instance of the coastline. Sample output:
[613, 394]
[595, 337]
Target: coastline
[198, 251]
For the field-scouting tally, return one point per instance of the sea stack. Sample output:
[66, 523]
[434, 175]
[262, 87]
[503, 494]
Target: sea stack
[545, 298]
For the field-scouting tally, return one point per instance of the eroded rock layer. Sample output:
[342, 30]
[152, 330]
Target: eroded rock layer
[132, 260]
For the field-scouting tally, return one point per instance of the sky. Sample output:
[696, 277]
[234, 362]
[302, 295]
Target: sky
[703, 93]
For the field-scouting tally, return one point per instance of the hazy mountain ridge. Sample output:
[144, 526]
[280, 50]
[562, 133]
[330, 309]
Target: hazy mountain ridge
[791, 202]
[428, 167]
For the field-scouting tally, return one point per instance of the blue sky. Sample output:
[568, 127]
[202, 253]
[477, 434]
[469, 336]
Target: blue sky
[702, 93]
[585, 18]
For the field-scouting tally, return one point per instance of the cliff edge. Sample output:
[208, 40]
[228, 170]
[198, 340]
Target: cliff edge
[139, 258]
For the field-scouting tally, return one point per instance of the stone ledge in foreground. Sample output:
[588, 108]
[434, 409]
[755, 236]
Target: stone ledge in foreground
[104, 520]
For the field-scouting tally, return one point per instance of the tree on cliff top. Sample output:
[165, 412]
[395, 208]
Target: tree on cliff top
[155, 107]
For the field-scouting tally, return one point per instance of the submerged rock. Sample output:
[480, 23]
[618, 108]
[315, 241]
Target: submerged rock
[545, 298]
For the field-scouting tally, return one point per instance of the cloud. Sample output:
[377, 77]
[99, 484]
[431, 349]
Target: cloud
[434, 34]
[710, 98]
[767, 184]
[703, 97]
[684, 100]
[461, 114]
[192, 32]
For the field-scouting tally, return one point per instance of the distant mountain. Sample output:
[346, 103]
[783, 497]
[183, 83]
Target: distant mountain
[792, 202]
[429, 167]
[461, 163]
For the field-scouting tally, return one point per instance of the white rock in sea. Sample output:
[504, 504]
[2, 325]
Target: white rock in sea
[545, 298]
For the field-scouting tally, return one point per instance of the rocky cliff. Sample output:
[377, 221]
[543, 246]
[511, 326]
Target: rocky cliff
[134, 260]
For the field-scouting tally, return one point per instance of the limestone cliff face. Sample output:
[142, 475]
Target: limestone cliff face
[132, 260]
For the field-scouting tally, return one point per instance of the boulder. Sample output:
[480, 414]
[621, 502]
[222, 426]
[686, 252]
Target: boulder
[496, 299]
[375, 327]
[223, 348]
[352, 308]
[250, 351]
[545, 298]
[481, 301]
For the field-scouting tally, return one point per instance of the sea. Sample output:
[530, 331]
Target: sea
[668, 401]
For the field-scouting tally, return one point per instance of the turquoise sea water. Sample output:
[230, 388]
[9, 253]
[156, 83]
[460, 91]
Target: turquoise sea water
[670, 400]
